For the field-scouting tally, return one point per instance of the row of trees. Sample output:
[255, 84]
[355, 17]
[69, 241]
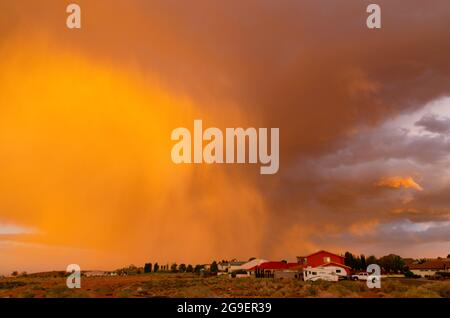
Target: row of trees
[389, 263]
[182, 268]
[17, 274]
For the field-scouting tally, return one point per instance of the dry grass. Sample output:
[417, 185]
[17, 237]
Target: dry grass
[190, 285]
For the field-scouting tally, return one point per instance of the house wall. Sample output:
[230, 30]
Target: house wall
[288, 274]
[233, 268]
[93, 274]
[319, 259]
[423, 272]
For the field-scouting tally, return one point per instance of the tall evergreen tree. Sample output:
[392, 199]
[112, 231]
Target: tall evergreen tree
[214, 268]
[148, 268]
[363, 262]
[349, 259]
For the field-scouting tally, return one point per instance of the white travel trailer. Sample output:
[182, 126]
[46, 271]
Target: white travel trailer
[328, 273]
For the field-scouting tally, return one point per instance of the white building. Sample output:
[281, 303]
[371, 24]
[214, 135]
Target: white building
[431, 267]
[246, 266]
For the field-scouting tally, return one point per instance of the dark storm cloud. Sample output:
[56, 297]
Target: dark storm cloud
[389, 143]
[401, 232]
[435, 124]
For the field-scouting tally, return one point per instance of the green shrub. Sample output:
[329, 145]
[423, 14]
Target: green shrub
[11, 285]
[409, 274]
[240, 271]
[443, 274]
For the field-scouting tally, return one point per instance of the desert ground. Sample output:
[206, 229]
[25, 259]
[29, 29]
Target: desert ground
[191, 285]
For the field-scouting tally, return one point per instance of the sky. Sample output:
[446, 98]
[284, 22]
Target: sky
[86, 115]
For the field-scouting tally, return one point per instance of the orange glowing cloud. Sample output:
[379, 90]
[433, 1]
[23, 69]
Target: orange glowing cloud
[398, 182]
[86, 161]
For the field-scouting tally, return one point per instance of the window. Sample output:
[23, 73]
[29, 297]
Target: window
[314, 273]
[338, 271]
[327, 259]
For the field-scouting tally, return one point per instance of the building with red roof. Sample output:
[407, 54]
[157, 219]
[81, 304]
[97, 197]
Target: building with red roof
[318, 259]
[431, 267]
[322, 258]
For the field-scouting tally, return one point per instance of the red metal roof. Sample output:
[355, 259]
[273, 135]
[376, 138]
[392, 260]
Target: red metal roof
[303, 266]
[435, 264]
[321, 251]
